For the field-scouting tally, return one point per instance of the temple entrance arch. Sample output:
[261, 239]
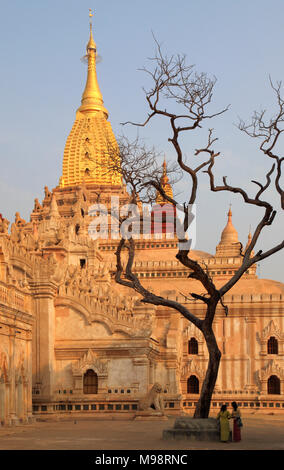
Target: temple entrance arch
[273, 385]
[90, 382]
[90, 374]
[193, 385]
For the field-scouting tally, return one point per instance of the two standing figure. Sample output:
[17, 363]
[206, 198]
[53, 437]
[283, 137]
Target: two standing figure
[224, 417]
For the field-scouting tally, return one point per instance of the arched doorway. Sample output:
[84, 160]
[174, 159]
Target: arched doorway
[193, 385]
[273, 385]
[90, 382]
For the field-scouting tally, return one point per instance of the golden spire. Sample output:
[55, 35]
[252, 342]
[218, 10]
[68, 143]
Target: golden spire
[92, 99]
[91, 151]
[165, 185]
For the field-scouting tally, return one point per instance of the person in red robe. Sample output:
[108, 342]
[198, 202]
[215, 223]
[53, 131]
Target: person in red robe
[236, 416]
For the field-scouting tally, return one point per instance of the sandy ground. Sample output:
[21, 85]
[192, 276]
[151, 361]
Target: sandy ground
[260, 432]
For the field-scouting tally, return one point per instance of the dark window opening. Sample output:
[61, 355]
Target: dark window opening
[272, 345]
[193, 346]
[193, 384]
[90, 382]
[82, 262]
[273, 385]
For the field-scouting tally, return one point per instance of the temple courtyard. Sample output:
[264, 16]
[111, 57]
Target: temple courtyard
[260, 432]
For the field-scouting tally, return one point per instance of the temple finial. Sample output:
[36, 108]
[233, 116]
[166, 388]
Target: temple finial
[230, 210]
[249, 235]
[91, 44]
[91, 14]
[92, 100]
[249, 241]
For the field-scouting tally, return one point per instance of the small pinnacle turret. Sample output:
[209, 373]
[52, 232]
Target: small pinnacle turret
[164, 181]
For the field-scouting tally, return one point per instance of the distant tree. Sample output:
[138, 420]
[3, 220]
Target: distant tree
[181, 95]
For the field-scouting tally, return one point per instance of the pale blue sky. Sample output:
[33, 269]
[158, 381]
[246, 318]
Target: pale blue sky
[42, 79]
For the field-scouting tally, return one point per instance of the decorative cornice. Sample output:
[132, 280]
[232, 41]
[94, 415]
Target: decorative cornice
[272, 368]
[271, 330]
[192, 368]
[90, 361]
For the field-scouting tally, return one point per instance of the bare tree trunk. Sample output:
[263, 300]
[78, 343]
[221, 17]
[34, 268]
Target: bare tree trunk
[203, 406]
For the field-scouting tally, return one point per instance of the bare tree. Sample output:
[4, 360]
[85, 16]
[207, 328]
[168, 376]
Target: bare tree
[179, 86]
[269, 132]
[140, 168]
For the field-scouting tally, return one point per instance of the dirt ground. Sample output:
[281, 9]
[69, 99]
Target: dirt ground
[260, 432]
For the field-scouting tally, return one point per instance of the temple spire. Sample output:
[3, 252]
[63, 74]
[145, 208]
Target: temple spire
[249, 242]
[229, 234]
[92, 99]
[91, 146]
[164, 181]
[229, 244]
[53, 210]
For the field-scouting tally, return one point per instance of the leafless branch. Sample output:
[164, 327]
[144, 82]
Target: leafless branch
[132, 281]
[269, 132]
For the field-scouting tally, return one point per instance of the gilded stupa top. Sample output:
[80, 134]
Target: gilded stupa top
[91, 150]
[92, 99]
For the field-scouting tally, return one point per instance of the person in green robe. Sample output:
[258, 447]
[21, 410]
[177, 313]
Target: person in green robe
[223, 417]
